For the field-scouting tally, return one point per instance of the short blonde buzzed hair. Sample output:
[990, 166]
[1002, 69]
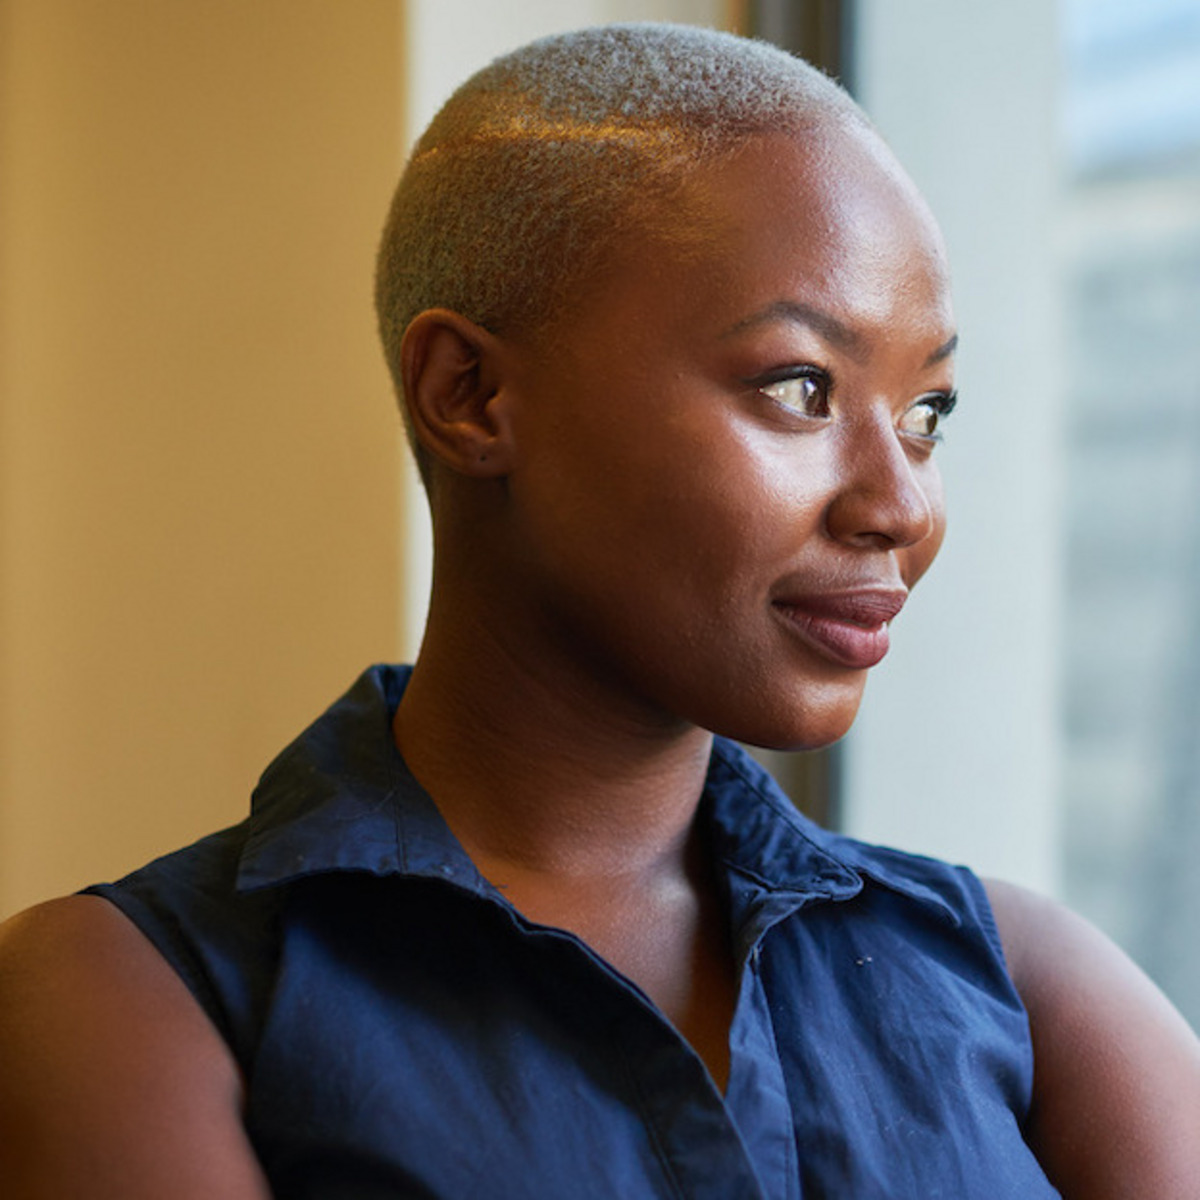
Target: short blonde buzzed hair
[534, 166]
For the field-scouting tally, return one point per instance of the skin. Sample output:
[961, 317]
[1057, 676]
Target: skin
[645, 423]
[1116, 1107]
[621, 502]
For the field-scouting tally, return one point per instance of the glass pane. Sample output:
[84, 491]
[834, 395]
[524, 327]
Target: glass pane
[1131, 625]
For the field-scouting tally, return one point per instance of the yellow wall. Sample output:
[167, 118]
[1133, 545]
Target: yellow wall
[199, 458]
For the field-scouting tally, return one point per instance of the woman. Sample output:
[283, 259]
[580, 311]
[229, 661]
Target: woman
[673, 339]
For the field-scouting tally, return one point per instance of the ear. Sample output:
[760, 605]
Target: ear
[452, 370]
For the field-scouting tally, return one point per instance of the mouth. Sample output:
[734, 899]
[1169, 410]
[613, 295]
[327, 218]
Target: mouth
[847, 628]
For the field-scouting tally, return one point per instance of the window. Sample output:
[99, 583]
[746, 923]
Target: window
[1131, 628]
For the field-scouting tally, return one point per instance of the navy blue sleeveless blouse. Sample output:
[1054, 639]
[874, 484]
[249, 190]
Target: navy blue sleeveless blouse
[404, 1032]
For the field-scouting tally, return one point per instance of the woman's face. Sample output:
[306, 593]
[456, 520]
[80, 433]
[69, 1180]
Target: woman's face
[727, 477]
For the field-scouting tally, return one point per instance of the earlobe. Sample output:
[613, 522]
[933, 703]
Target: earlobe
[453, 388]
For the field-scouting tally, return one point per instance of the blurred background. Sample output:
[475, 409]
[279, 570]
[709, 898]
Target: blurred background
[208, 525]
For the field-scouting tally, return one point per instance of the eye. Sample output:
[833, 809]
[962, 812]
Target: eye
[923, 418]
[805, 391]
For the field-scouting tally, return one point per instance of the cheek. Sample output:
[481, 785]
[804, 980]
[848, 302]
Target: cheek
[739, 509]
[671, 491]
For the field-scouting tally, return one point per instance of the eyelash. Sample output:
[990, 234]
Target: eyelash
[813, 375]
[940, 403]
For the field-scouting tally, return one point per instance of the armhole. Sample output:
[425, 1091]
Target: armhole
[168, 940]
[985, 914]
[986, 917]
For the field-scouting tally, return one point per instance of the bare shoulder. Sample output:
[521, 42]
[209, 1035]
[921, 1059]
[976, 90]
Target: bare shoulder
[1116, 1109]
[115, 1083]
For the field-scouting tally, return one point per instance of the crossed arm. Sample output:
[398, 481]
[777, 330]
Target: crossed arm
[114, 1085]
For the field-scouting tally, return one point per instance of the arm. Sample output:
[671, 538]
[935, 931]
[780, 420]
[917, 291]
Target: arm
[113, 1083]
[1116, 1092]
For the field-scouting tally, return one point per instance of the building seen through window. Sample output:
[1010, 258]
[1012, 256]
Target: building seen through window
[1131, 611]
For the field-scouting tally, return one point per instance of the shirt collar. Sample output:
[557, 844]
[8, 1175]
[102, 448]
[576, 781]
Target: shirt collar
[340, 798]
[771, 843]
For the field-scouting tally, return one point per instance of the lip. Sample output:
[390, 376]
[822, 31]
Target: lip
[849, 628]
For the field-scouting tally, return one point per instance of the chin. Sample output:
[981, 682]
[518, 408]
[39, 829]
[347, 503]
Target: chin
[817, 718]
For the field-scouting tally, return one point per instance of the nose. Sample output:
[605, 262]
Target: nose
[882, 500]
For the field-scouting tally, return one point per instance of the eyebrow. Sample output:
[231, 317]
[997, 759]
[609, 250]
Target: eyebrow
[829, 327]
[944, 351]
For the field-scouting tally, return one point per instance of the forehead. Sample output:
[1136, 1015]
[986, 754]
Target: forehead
[825, 219]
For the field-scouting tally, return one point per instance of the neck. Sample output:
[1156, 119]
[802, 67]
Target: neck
[543, 770]
[577, 799]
